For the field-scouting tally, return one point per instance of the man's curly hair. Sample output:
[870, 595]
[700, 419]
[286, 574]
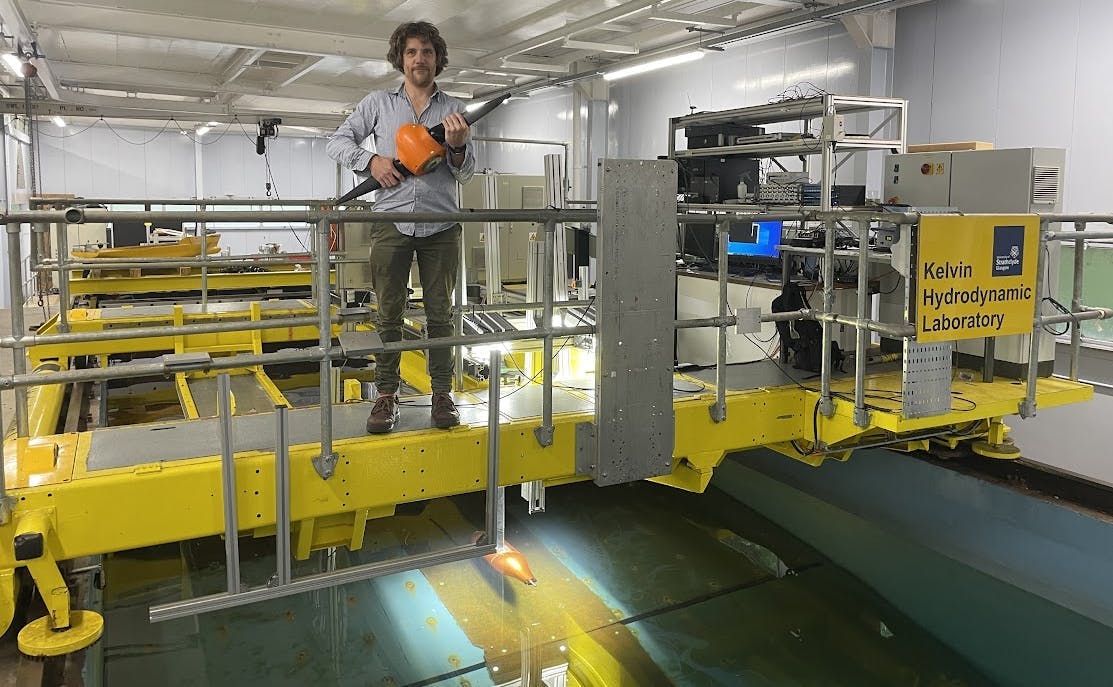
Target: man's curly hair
[417, 29]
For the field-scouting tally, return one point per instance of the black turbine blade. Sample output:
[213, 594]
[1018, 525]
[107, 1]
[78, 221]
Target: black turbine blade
[366, 186]
[472, 117]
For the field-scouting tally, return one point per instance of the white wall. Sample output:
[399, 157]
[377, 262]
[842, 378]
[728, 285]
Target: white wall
[129, 163]
[545, 115]
[1016, 73]
[142, 163]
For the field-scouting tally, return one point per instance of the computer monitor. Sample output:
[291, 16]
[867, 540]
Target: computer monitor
[755, 239]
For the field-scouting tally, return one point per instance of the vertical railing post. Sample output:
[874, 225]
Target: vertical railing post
[458, 319]
[826, 405]
[325, 463]
[719, 410]
[1028, 405]
[228, 482]
[544, 433]
[5, 506]
[203, 235]
[60, 256]
[19, 328]
[861, 415]
[282, 494]
[1076, 301]
[496, 495]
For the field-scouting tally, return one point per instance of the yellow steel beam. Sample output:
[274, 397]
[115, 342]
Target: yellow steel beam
[44, 403]
[172, 283]
[97, 512]
[155, 503]
[185, 396]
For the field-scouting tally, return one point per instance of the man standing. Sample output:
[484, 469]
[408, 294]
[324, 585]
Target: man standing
[418, 51]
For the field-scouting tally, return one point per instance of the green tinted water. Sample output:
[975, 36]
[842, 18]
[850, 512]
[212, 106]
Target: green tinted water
[640, 583]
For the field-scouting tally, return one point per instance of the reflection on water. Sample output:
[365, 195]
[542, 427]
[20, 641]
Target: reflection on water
[637, 585]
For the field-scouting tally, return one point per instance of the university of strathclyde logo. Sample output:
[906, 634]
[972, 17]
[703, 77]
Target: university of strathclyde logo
[1008, 251]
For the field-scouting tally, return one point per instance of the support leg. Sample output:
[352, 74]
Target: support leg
[62, 630]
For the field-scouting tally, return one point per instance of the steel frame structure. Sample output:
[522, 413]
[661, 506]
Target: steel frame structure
[47, 520]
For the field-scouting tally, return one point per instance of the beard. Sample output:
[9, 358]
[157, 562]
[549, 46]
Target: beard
[419, 77]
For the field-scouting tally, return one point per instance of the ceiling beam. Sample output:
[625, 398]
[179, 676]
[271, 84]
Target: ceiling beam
[146, 79]
[218, 24]
[796, 4]
[307, 65]
[17, 24]
[239, 63]
[600, 47]
[691, 19]
[138, 108]
[590, 22]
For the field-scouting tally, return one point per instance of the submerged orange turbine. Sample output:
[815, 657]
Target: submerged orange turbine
[509, 561]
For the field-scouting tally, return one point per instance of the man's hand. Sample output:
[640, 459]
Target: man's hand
[455, 130]
[382, 168]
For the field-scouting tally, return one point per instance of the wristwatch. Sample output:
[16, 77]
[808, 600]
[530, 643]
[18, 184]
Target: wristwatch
[456, 151]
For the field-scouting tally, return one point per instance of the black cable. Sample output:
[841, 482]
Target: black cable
[76, 133]
[1062, 309]
[129, 141]
[900, 279]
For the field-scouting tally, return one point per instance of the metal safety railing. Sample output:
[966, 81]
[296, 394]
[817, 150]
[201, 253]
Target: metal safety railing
[325, 352]
[862, 323]
[1079, 312]
[320, 217]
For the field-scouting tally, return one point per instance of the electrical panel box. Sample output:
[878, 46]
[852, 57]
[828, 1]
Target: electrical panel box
[356, 246]
[1016, 180]
[921, 179]
[513, 192]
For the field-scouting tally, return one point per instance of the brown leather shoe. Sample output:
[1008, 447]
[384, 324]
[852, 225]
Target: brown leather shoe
[444, 412]
[384, 415]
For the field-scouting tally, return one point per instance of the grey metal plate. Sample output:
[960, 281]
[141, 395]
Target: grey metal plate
[195, 308]
[524, 402]
[117, 447]
[926, 379]
[360, 343]
[249, 395]
[635, 306]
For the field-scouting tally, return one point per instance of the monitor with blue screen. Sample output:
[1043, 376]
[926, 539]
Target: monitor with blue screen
[755, 239]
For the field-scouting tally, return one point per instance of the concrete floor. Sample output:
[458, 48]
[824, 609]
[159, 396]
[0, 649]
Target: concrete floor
[15, 670]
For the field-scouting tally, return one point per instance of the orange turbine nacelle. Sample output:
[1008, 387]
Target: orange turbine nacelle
[417, 150]
[510, 562]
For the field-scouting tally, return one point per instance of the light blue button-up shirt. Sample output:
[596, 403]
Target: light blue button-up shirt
[380, 115]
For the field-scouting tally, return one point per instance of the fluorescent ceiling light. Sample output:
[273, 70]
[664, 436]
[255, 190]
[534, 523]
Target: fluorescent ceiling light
[214, 124]
[655, 64]
[202, 130]
[601, 47]
[14, 64]
[58, 122]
